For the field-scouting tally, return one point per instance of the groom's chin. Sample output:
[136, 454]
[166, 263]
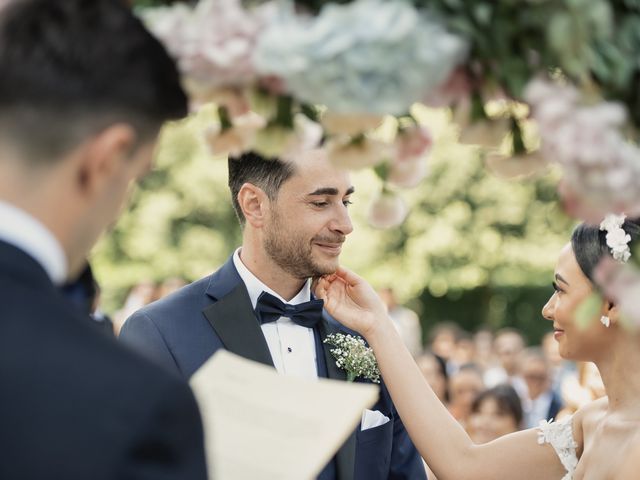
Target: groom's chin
[325, 268]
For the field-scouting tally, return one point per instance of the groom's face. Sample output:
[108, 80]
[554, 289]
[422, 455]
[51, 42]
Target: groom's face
[309, 219]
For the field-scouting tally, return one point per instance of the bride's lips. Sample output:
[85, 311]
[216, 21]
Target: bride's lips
[330, 248]
[557, 332]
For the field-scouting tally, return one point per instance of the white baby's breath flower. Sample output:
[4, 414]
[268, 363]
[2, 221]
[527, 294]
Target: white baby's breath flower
[353, 355]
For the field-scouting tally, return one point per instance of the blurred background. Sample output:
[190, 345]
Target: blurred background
[475, 249]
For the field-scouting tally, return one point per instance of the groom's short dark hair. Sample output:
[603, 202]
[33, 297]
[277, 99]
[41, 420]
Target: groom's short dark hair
[71, 68]
[267, 173]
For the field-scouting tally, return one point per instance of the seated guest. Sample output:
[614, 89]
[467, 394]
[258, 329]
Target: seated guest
[464, 387]
[540, 402]
[434, 370]
[494, 413]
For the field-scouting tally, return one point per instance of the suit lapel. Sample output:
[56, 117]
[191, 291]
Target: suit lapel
[346, 456]
[235, 323]
[333, 371]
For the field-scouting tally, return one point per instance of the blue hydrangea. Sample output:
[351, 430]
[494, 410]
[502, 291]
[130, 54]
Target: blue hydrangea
[370, 56]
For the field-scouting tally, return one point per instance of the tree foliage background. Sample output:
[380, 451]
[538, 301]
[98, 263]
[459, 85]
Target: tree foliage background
[475, 249]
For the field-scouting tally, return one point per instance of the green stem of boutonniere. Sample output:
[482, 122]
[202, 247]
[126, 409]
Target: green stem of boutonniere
[351, 376]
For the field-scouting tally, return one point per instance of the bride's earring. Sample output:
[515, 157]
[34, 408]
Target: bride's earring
[605, 321]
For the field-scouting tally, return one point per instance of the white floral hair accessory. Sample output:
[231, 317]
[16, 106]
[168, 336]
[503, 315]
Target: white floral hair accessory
[617, 239]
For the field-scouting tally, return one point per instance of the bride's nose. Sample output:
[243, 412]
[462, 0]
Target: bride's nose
[547, 310]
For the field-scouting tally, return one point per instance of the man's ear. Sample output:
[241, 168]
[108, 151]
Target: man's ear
[254, 204]
[101, 157]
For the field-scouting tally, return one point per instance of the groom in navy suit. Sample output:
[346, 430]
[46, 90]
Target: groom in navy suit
[259, 304]
[84, 90]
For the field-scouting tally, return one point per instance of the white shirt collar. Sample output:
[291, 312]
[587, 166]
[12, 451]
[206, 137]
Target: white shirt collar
[255, 287]
[25, 232]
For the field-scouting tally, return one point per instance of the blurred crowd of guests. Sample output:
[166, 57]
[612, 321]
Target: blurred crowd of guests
[492, 382]
[85, 293]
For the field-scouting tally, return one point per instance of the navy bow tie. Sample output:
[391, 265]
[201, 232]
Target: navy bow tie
[270, 309]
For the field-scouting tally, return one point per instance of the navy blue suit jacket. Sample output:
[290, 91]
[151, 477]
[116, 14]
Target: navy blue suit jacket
[184, 329]
[75, 404]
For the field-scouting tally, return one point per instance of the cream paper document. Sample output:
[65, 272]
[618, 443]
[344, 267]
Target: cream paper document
[262, 425]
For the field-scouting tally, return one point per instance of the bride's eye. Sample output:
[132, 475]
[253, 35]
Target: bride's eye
[556, 287]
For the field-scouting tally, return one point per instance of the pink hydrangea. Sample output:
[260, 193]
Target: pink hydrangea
[213, 42]
[601, 167]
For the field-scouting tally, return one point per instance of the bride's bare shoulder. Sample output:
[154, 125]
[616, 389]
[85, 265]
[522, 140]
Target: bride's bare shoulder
[587, 417]
[592, 410]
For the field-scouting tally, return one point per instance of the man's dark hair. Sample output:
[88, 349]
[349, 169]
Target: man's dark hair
[266, 173]
[71, 68]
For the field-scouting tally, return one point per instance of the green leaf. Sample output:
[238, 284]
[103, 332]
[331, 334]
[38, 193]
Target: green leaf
[588, 310]
[382, 170]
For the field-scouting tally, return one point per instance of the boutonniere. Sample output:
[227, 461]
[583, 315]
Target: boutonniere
[353, 356]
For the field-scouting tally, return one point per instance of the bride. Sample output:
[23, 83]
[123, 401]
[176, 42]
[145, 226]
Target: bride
[590, 445]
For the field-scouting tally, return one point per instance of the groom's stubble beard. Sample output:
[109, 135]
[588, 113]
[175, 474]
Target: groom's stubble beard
[294, 254]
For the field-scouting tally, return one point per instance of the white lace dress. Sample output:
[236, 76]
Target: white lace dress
[560, 436]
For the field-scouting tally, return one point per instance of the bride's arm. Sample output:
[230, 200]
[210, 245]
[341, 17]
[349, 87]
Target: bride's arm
[439, 438]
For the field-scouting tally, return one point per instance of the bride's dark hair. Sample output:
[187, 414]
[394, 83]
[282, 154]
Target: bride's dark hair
[589, 244]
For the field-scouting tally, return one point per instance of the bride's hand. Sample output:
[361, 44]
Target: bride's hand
[351, 301]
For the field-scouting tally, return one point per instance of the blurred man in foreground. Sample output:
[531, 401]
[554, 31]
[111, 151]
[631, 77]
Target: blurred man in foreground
[84, 89]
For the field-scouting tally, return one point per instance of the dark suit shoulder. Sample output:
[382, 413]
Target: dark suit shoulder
[77, 403]
[192, 294]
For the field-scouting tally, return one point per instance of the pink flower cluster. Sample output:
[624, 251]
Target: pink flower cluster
[214, 43]
[601, 167]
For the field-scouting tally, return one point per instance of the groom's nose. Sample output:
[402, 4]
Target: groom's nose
[342, 222]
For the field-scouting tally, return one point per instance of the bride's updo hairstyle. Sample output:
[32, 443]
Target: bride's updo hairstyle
[589, 244]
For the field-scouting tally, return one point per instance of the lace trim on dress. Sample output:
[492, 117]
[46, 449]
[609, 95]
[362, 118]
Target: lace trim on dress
[560, 436]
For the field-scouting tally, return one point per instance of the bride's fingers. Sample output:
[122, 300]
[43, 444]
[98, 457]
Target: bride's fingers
[348, 276]
[321, 289]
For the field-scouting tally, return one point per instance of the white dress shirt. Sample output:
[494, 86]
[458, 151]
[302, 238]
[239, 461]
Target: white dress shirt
[292, 347]
[25, 232]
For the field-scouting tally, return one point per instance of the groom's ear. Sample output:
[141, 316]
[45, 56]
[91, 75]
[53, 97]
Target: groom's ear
[254, 204]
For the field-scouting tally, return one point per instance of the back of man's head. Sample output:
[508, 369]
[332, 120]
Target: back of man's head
[70, 68]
